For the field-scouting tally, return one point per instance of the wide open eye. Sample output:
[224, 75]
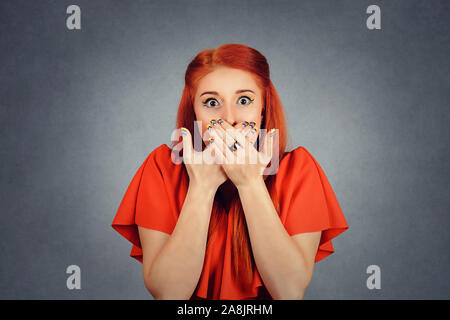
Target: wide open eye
[244, 101]
[207, 103]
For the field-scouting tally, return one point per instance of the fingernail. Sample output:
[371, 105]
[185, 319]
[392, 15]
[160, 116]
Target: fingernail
[252, 124]
[272, 132]
[254, 130]
[213, 121]
[184, 131]
[220, 121]
[211, 140]
[209, 127]
[245, 123]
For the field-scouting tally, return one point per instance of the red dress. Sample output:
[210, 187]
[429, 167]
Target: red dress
[157, 191]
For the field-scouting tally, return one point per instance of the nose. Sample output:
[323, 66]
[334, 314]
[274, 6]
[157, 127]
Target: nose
[229, 115]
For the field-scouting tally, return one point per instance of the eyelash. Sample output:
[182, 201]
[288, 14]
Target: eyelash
[207, 100]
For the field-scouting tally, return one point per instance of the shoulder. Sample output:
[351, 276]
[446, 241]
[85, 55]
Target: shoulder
[161, 155]
[164, 161]
[297, 159]
[296, 167]
[159, 159]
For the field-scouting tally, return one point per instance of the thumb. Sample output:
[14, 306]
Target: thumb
[269, 143]
[187, 145]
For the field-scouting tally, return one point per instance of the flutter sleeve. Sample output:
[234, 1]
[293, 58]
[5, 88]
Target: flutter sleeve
[308, 202]
[146, 204]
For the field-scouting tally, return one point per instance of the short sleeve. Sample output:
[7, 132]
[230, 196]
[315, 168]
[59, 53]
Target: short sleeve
[307, 201]
[146, 204]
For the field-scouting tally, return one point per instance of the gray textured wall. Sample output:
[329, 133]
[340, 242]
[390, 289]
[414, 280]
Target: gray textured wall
[80, 111]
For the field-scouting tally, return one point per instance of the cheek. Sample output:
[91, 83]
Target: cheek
[254, 116]
[259, 117]
[202, 120]
[201, 125]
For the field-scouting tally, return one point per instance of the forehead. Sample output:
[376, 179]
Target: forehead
[227, 80]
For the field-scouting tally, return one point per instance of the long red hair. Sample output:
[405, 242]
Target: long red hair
[248, 59]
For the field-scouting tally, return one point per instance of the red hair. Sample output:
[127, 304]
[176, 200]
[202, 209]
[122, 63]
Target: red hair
[242, 57]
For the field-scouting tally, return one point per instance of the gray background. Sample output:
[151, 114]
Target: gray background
[81, 110]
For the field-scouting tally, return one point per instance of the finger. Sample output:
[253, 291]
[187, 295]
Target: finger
[213, 133]
[218, 154]
[245, 131]
[230, 156]
[242, 126]
[268, 143]
[253, 135]
[246, 128]
[250, 135]
[224, 135]
[187, 145]
[242, 152]
[239, 127]
[224, 148]
[226, 140]
[231, 133]
[208, 153]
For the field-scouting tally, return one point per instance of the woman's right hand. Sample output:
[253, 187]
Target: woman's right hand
[208, 174]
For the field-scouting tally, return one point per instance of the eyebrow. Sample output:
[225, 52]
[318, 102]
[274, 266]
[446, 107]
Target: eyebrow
[238, 91]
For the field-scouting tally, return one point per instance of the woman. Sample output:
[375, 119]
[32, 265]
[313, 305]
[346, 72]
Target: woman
[229, 229]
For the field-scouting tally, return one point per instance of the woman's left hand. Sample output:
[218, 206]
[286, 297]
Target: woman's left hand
[246, 164]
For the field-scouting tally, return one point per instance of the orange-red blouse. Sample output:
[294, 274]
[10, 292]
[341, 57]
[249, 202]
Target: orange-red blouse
[155, 197]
